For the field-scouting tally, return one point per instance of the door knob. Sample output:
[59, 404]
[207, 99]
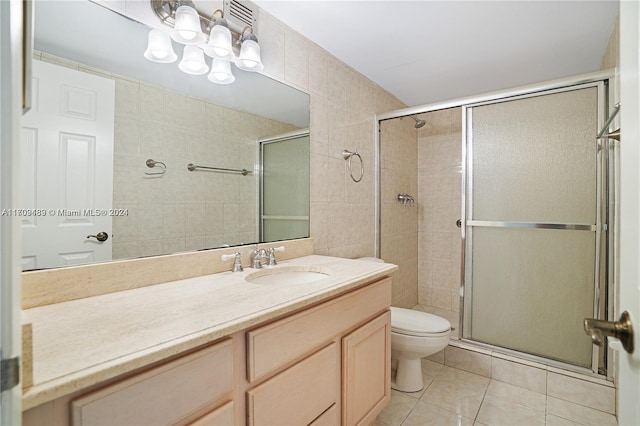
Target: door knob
[621, 329]
[101, 236]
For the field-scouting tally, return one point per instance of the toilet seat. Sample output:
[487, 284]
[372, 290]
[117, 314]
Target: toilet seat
[418, 323]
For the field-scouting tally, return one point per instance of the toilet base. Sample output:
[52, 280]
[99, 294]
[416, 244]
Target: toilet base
[408, 376]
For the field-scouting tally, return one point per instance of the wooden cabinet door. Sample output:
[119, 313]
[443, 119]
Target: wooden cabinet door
[366, 371]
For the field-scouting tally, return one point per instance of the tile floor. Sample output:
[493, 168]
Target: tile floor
[456, 397]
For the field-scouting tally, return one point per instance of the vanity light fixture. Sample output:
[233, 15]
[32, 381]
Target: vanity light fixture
[221, 72]
[249, 59]
[193, 61]
[186, 29]
[219, 45]
[159, 48]
[191, 29]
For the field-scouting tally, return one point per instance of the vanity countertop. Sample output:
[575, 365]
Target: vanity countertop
[79, 343]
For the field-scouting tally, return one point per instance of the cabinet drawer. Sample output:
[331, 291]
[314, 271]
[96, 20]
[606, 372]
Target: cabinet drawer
[272, 346]
[162, 395]
[222, 416]
[298, 395]
[328, 418]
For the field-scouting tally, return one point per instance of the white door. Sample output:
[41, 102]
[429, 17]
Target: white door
[11, 25]
[67, 168]
[629, 296]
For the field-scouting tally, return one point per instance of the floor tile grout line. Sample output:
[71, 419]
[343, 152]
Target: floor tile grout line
[475, 419]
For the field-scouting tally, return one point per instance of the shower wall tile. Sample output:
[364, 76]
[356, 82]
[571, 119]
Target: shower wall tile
[151, 107]
[399, 223]
[127, 98]
[272, 45]
[173, 245]
[296, 60]
[318, 71]
[439, 194]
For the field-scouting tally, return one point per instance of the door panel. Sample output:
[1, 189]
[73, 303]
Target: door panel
[67, 161]
[533, 240]
[629, 296]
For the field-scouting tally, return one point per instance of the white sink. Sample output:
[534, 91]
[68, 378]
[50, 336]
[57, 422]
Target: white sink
[286, 275]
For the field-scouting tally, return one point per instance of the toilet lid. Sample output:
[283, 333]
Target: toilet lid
[417, 323]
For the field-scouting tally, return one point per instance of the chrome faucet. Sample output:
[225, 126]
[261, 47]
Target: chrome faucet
[272, 255]
[257, 255]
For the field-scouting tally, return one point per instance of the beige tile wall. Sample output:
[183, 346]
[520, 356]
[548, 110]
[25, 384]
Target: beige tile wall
[183, 210]
[343, 108]
[611, 58]
[399, 223]
[439, 194]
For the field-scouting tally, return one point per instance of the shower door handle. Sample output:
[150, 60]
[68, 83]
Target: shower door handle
[621, 329]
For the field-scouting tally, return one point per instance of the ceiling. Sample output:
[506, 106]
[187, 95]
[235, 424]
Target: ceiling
[428, 51]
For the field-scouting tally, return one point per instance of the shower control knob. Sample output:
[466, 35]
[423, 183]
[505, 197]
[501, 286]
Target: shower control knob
[101, 236]
[459, 223]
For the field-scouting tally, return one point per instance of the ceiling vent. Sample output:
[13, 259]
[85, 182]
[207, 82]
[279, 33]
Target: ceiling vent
[239, 14]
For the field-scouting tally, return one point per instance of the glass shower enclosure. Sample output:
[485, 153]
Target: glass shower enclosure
[536, 222]
[284, 186]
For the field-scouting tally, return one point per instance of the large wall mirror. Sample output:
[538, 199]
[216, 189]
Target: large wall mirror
[106, 149]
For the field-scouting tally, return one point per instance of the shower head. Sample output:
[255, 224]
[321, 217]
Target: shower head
[419, 122]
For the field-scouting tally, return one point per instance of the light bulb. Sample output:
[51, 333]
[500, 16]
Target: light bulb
[249, 59]
[159, 48]
[193, 61]
[219, 45]
[186, 29]
[221, 72]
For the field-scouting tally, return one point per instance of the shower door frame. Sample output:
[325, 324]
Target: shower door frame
[607, 76]
[262, 143]
[602, 217]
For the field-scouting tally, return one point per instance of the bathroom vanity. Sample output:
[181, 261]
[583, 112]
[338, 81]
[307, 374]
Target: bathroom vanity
[219, 350]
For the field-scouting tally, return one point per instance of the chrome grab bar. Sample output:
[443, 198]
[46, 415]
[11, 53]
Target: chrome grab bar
[616, 133]
[192, 167]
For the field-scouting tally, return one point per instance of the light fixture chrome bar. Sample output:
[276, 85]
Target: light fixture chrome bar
[533, 225]
[192, 167]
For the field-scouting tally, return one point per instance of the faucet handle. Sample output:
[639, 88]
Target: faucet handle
[272, 255]
[237, 264]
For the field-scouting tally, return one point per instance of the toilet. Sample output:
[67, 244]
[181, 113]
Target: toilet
[414, 335]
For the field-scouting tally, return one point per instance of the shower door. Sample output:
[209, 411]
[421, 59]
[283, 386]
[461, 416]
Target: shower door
[284, 186]
[535, 237]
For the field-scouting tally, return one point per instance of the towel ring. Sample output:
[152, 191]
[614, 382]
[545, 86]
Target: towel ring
[348, 155]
